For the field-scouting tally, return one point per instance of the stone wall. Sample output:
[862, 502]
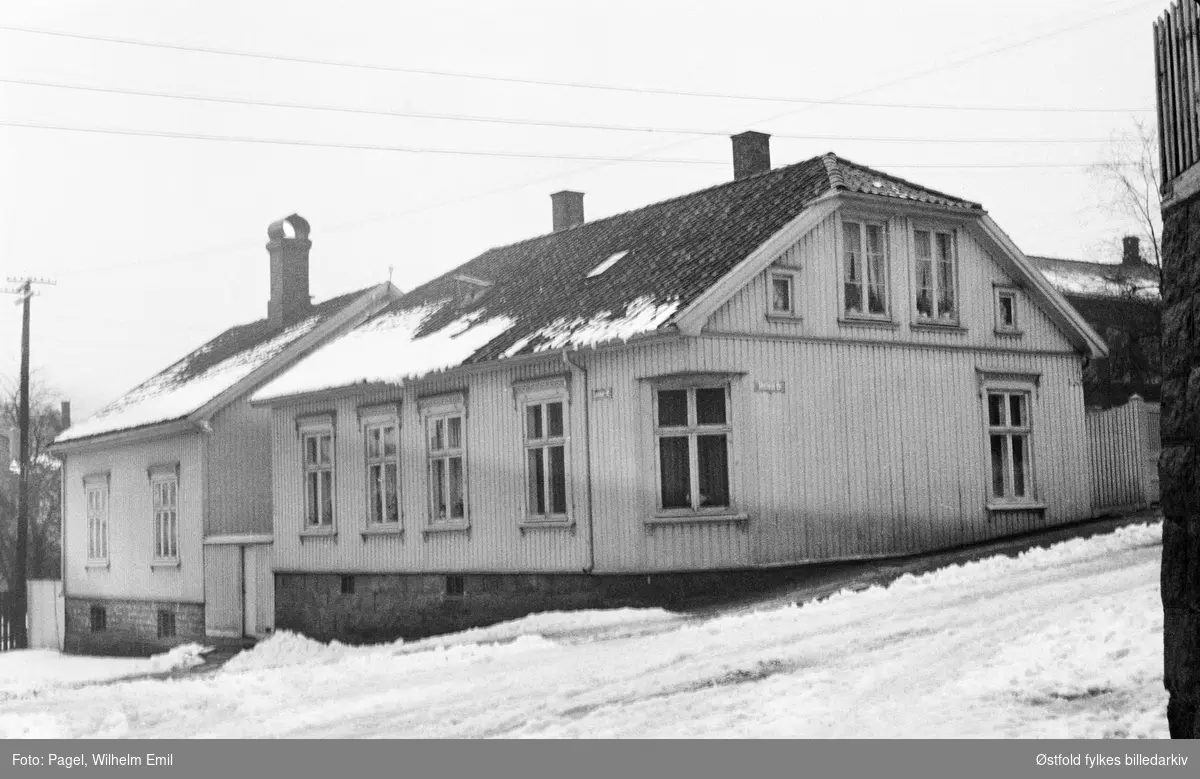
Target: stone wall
[131, 626]
[1178, 463]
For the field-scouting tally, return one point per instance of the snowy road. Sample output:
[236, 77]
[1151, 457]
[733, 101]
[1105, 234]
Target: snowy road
[1064, 642]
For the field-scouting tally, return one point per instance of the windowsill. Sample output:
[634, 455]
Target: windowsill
[318, 532]
[930, 325]
[788, 319]
[532, 523]
[1016, 507]
[462, 526]
[881, 322]
[164, 563]
[383, 530]
[695, 518]
[1010, 333]
[96, 564]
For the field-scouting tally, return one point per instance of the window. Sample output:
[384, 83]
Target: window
[383, 471]
[164, 491]
[935, 255]
[1008, 430]
[98, 619]
[316, 441]
[455, 586]
[692, 442]
[166, 624]
[864, 269]
[546, 459]
[445, 439]
[347, 585]
[782, 295]
[96, 489]
[1006, 311]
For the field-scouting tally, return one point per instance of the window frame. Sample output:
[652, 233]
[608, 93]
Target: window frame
[318, 426]
[934, 229]
[380, 418]
[160, 475]
[1008, 385]
[1001, 291]
[863, 221]
[445, 407]
[98, 483]
[692, 431]
[542, 393]
[790, 275]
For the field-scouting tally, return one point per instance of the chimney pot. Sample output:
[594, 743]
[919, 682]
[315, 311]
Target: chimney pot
[288, 249]
[567, 209]
[751, 154]
[1131, 253]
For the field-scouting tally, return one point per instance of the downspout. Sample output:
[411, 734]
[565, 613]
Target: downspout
[62, 550]
[587, 456]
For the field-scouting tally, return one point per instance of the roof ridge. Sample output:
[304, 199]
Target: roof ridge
[832, 170]
[893, 177]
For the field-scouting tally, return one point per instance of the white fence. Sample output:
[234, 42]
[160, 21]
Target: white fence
[1124, 444]
[47, 613]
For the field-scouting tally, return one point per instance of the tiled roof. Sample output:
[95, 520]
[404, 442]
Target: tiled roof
[203, 374]
[541, 296]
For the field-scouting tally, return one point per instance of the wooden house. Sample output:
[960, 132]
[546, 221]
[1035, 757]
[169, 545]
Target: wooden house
[167, 490]
[812, 363]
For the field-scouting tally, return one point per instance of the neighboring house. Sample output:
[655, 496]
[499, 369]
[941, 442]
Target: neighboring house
[167, 490]
[1123, 304]
[819, 362]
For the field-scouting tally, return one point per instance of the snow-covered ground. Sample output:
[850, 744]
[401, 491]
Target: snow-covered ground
[1060, 642]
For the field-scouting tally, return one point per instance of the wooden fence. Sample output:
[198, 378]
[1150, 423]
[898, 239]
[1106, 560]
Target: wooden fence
[6, 614]
[1177, 74]
[1124, 456]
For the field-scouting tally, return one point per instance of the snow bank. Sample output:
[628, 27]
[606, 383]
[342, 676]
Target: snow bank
[26, 672]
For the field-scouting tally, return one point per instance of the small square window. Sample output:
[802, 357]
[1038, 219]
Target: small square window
[166, 624]
[783, 298]
[454, 586]
[347, 585]
[98, 619]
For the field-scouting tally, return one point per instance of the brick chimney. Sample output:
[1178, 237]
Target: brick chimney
[288, 249]
[751, 154]
[568, 209]
[1131, 252]
[65, 414]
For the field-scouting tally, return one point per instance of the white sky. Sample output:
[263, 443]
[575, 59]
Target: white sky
[157, 244]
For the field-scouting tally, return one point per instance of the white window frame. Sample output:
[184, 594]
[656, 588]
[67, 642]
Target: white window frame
[164, 517]
[789, 276]
[318, 427]
[1004, 291]
[541, 393]
[1007, 387]
[862, 222]
[692, 430]
[97, 518]
[936, 318]
[444, 408]
[381, 419]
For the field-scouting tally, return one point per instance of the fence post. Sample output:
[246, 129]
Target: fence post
[1141, 449]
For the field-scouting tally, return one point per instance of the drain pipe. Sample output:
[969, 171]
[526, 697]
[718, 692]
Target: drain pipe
[587, 454]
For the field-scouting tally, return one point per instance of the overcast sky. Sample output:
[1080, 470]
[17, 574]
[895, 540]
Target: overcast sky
[157, 243]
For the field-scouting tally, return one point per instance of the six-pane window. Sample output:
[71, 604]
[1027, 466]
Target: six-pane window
[692, 437]
[545, 459]
[934, 252]
[1008, 445]
[447, 474]
[318, 479]
[383, 472]
[864, 270]
[165, 493]
[97, 522]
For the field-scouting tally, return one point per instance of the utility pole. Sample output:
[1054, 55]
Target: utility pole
[20, 631]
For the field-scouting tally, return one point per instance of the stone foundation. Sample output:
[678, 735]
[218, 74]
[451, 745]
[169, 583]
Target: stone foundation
[1180, 484]
[384, 607]
[131, 627]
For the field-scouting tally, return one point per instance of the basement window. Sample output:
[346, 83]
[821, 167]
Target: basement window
[347, 585]
[98, 619]
[166, 624]
[455, 586]
[611, 261]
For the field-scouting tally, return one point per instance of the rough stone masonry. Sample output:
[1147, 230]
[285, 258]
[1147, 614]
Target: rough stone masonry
[1178, 465]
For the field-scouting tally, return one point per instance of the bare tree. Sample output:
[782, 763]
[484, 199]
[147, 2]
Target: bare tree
[1129, 176]
[45, 498]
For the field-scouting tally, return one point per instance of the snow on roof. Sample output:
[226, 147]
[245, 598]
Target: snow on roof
[1097, 279]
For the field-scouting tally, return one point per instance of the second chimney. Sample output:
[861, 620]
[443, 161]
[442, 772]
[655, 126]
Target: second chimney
[568, 209]
[288, 248]
[65, 414]
[1131, 250]
[751, 154]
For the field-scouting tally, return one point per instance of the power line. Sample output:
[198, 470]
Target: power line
[569, 84]
[555, 123]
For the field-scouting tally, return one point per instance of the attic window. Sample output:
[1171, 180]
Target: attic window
[611, 261]
[468, 289]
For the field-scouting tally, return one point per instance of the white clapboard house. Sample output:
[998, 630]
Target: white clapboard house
[167, 490]
[811, 363]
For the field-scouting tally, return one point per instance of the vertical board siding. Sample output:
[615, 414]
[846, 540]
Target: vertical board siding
[1176, 58]
[239, 470]
[223, 589]
[131, 522]
[1119, 452]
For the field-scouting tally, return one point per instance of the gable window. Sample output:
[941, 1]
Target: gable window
[1009, 431]
[164, 492]
[1006, 311]
[864, 269]
[316, 441]
[446, 462]
[935, 255]
[692, 432]
[382, 433]
[782, 292]
[96, 491]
